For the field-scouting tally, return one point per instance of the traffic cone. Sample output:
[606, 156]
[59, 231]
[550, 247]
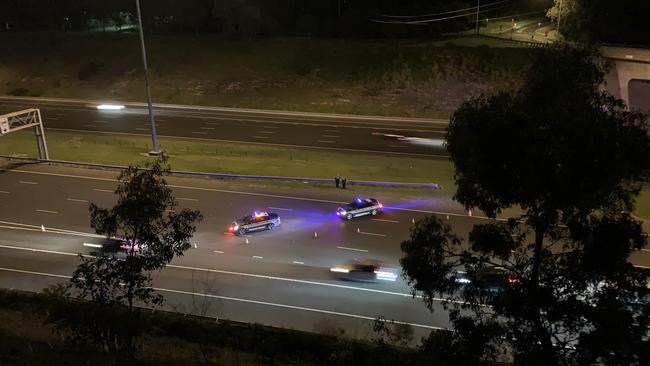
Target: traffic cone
[42, 228]
[315, 234]
[412, 221]
[246, 240]
[447, 217]
[358, 230]
[195, 246]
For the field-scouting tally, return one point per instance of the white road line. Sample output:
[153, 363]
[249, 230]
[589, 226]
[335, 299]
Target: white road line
[199, 133]
[386, 220]
[218, 251]
[298, 262]
[258, 257]
[268, 132]
[332, 136]
[213, 123]
[26, 182]
[332, 131]
[280, 208]
[255, 194]
[4, 192]
[373, 234]
[98, 121]
[77, 200]
[187, 199]
[47, 211]
[141, 129]
[102, 190]
[52, 118]
[645, 250]
[313, 310]
[260, 137]
[354, 249]
[326, 142]
[52, 230]
[91, 126]
[271, 127]
[208, 128]
[33, 273]
[92, 245]
[640, 266]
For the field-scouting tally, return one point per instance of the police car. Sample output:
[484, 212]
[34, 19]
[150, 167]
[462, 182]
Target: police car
[255, 221]
[360, 207]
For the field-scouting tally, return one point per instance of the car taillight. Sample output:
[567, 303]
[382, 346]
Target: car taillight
[381, 206]
[513, 280]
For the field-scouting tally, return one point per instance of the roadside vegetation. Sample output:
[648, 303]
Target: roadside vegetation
[404, 78]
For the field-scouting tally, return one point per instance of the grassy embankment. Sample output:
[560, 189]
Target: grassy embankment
[403, 78]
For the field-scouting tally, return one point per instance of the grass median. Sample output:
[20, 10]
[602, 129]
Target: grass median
[235, 158]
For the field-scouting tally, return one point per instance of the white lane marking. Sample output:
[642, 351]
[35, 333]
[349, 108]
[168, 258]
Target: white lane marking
[218, 251]
[18, 226]
[185, 138]
[213, 123]
[386, 220]
[26, 182]
[271, 127]
[257, 302]
[99, 121]
[640, 266]
[77, 200]
[268, 132]
[40, 250]
[102, 190]
[645, 250]
[52, 118]
[326, 142]
[187, 199]
[313, 310]
[91, 126]
[373, 234]
[208, 128]
[354, 249]
[141, 129]
[260, 137]
[332, 136]
[47, 211]
[92, 245]
[332, 131]
[199, 133]
[4, 192]
[298, 262]
[280, 208]
[258, 257]
[255, 194]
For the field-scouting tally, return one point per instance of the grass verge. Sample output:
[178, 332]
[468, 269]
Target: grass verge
[234, 158]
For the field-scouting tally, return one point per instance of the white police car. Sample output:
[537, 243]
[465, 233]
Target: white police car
[255, 221]
[360, 207]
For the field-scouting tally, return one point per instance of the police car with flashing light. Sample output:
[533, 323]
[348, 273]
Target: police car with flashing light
[255, 221]
[360, 207]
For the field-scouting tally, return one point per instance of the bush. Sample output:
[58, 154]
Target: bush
[89, 69]
[19, 92]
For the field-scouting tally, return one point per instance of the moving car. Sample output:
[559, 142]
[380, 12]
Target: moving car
[368, 270]
[121, 245]
[360, 207]
[255, 221]
[491, 279]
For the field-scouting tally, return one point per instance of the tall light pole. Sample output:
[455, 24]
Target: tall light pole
[154, 138]
[478, 7]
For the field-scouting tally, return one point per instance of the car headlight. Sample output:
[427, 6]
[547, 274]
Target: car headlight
[339, 270]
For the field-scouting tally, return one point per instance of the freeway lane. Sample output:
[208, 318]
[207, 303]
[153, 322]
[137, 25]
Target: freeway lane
[285, 268]
[423, 137]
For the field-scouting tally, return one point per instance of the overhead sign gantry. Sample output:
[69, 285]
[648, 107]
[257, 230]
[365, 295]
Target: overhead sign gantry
[27, 118]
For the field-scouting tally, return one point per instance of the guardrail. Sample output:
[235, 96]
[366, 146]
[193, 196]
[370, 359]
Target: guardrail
[78, 164]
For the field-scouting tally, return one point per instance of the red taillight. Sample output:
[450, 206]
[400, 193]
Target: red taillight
[513, 280]
[231, 229]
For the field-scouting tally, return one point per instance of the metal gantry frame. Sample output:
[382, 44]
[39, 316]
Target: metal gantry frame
[27, 118]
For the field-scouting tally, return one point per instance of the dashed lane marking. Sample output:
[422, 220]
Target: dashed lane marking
[258, 257]
[47, 211]
[141, 129]
[208, 128]
[373, 234]
[332, 136]
[354, 249]
[51, 118]
[386, 220]
[268, 132]
[260, 137]
[91, 126]
[4, 192]
[102, 190]
[199, 133]
[77, 200]
[26, 182]
[298, 262]
[332, 131]
[326, 142]
[218, 251]
[280, 208]
[187, 199]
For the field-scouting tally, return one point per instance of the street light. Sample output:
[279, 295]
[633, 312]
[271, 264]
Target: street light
[154, 138]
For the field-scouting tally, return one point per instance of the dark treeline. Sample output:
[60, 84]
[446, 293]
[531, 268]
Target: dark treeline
[247, 18]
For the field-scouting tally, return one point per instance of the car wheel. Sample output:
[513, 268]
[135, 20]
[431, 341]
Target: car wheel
[374, 212]
[348, 216]
[241, 231]
[270, 226]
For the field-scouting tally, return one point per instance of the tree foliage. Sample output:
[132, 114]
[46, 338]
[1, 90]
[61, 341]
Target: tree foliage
[571, 158]
[147, 216]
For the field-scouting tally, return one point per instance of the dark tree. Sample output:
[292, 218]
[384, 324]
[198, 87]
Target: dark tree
[571, 158]
[146, 215]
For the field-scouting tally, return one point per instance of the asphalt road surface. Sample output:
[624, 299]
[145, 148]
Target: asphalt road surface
[329, 132]
[279, 277]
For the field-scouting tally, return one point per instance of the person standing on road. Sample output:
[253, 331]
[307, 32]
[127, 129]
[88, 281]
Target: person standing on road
[343, 183]
[336, 181]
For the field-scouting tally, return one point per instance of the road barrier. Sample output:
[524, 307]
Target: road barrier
[78, 164]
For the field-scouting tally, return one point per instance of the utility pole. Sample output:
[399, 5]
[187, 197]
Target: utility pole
[478, 7]
[154, 138]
